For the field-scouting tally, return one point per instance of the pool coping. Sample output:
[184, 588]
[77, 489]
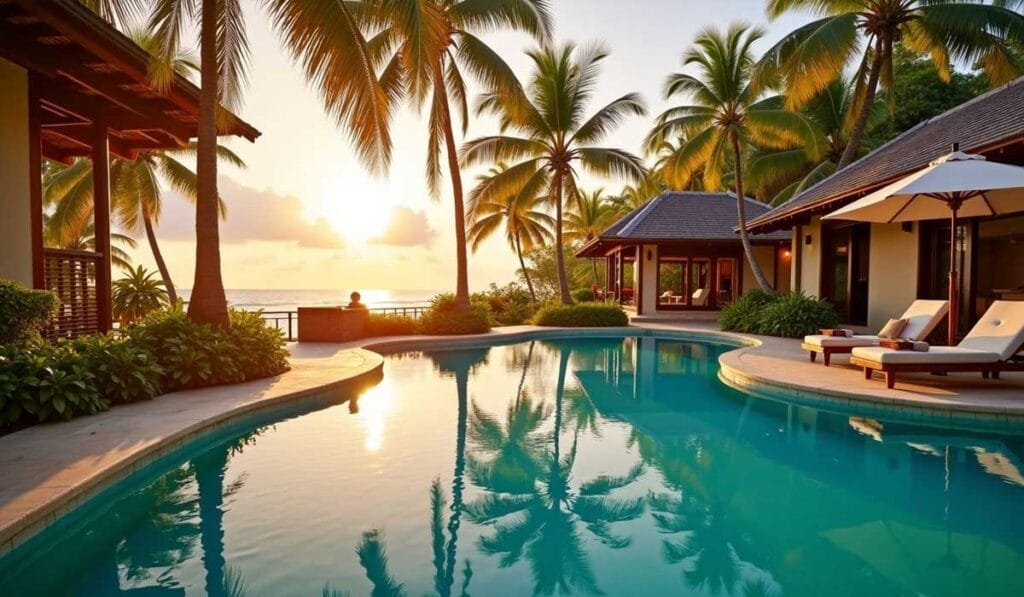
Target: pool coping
[322, 368]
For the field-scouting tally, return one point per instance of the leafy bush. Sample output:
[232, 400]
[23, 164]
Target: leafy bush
[508, 305]
[195, 356]
[389, 325]
[581, 315]
[24, 312]
[444, 318]
[789, 314]
[584, 295]
[137, 295]
[124, 371]
[40, 382]
[795, 315]
[744, 313]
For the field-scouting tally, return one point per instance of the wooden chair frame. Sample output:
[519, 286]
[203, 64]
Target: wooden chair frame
[889, 370]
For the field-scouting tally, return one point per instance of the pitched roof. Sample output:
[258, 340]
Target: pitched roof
[680, 216]
[981, 124]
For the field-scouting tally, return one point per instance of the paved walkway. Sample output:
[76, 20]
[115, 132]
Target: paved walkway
[48, 470]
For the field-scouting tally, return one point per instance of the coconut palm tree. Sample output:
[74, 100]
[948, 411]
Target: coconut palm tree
[325, 39]
[726, 116]
[586, 218]
[55, 235]
[525, 225]
[546, 130]
[864, 32]
[784, 173]
[136, 295]
[437, 42]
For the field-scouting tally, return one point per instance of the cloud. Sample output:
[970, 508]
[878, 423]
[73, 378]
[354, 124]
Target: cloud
[253, 215]
[407, 228]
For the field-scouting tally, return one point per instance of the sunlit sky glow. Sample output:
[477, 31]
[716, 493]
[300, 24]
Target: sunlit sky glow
[306, 214]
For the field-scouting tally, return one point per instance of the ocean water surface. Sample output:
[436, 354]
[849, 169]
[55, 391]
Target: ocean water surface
[617, 466]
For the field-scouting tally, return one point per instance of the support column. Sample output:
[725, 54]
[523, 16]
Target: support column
[35, 182]
[609, 269]
[620, 277]
[101, 215]
[638, 275]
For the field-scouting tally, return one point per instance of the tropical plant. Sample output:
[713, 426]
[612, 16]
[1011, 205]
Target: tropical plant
[137, 295]
[780, 174]
[525, 225]
[727, 115]
[434, 43]
[634, 196]
[587, 218]
[444, 317]
[24, 312]
[324, 37]
[866, 32]
[59, 236]
[553, 135]
[582, 315]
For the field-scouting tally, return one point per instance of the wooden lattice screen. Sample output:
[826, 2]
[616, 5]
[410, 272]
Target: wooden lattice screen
[72, 275]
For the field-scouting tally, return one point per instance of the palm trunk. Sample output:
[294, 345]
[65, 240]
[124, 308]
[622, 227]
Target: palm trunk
[461, 260]
[209, 471]
[741, 214]
[563, 278]
[850, 152]
[522, 268]
[208, 303]
[458, 482]
[165, 274]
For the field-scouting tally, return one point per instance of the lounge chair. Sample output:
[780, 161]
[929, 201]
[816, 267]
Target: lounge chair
[988, 348]
[922, 318]
[699, 298]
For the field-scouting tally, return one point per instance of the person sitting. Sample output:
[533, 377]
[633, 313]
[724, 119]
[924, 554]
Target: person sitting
[354, 303]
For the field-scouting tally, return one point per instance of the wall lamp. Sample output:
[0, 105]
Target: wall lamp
[808, 240]
[907, 226]
[649, 255]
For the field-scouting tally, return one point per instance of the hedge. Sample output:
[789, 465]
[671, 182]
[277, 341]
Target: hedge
[581, 315]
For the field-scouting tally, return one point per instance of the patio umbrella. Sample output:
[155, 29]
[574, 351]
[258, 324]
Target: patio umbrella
[958, 185]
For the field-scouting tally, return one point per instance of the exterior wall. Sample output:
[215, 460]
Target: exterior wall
[892, 273]
[15, 223]
[810, 258]
[765, 256]
[650, 278]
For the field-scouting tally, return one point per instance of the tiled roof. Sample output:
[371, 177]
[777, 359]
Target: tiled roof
[687, 216]
[977, 125]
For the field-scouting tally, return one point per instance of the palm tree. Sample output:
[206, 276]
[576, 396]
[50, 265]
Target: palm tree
[727, 115]
[137, 294]
[865, 31]
[435, 42]
[325, 39]
[525, 225]
[84, 239]
[555, 135]
[633, 196]
[785, 173]
[589, 215]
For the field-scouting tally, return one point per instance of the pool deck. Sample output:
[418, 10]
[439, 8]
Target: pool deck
[48, 470]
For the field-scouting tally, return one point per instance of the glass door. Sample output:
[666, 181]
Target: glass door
[726, 285]
[700, 283]
[672, 275]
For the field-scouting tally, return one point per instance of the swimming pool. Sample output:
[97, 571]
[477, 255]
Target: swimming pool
[619, 466]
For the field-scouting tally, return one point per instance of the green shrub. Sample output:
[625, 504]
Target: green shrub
[584, 295]
[744, 313]
[124, 371]
[389, 325]
[40, 382]
[24, 312]
[795, 315]
[195, 356]
[138, 294]
[508, 305]
[581, 315]
[444, 318]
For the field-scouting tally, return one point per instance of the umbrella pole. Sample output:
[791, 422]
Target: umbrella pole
[954, 294]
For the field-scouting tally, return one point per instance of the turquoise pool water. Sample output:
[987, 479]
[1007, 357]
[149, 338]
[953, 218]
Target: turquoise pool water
[588, 466]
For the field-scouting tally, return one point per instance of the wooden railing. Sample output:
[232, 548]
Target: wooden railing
[72, 276]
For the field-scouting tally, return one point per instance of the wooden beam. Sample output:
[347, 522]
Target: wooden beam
[35, 182]
[101, 223]
[86, 136]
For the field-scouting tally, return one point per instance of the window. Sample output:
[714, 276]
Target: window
[672, 281]
[700, 283]
[726, 281]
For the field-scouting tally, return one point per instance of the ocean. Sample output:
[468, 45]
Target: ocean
[290, 300]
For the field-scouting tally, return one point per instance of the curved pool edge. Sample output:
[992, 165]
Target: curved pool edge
[39, 505]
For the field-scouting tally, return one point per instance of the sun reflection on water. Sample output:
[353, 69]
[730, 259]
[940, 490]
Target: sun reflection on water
[375, 406]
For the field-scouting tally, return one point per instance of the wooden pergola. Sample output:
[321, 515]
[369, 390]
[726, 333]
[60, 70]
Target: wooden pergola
[90, 96]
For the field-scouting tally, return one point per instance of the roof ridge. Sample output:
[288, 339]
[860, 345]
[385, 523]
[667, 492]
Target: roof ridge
[631, 225]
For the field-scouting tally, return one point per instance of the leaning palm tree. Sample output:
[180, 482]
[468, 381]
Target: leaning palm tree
[553, 136]
[324, 37]
[727, 114]
[525, 225]
[866, 31]
[587, 218]
[435, 42]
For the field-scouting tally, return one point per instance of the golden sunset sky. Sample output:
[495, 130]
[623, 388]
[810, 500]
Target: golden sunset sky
[305, 214]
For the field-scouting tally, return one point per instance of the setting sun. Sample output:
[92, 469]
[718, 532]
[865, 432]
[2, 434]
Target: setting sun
[357, 219]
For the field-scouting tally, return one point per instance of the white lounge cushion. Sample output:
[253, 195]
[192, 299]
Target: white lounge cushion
[841, 341]
[1000, 330]
[936, 355]
[922, 317]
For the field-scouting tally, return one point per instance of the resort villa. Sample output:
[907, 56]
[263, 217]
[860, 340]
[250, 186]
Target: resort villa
[871, 272]
[691, 258]
[73, 86]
